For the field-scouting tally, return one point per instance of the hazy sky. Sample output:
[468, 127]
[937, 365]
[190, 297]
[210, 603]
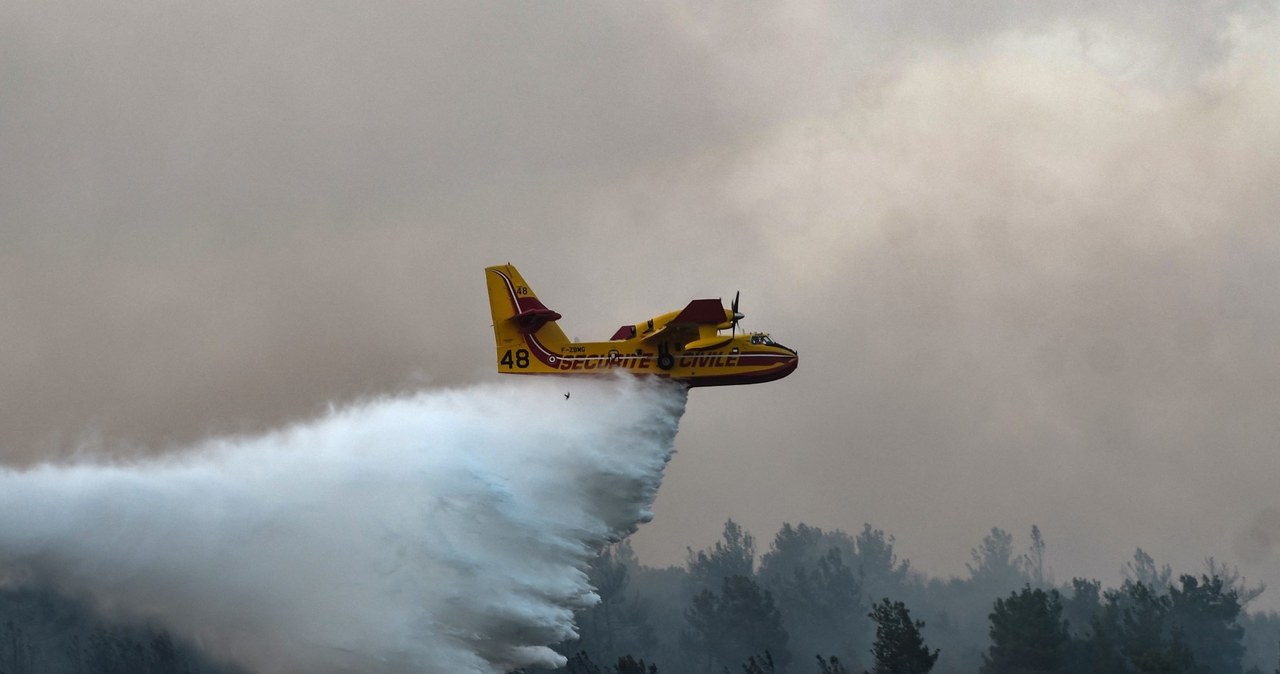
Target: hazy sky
[1029, 253]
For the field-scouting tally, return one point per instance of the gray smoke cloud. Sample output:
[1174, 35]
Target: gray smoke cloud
[1256, 544]
[1027, 249]
[445, 532]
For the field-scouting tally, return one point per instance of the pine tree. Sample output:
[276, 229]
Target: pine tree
[739, 622]
[831, 666]
[1027, 634]
[899, 648]
[735, 555]
[1206, 611]
[762, 666]
[581, 663]
[1146, 638]
[629, 665]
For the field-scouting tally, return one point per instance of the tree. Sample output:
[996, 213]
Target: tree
[735, 555]
[165, 657]
[793, 547]
[1158, 627]
[1034, 559]
[1079, 611]
[1233, 581]
[609, 578]
[581, 663]
[762, 666]
[1080, 608]
[822, 606]
[1143, 570]
[740, 622]
[879, 571]
[1206, 612]
[993, 561]
[629, 665]
[1027, 634]
[619, 623]
[1261, 641]
[1102, 648]
[831, 666]
[899, 648]
[1146, 639]
[16, 651]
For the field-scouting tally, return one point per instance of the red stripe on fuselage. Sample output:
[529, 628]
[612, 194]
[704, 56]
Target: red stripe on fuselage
[542, 353]
[757, 377]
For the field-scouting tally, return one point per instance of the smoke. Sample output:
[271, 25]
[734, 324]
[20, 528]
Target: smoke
[444, 532]
[1254, 545]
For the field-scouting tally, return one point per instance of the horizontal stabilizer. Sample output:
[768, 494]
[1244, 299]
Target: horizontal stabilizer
[533, 315]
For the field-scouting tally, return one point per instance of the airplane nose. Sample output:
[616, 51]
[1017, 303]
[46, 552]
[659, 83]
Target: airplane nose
[789, 365]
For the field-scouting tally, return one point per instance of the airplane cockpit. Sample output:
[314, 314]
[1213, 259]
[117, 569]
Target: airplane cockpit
[766, 340]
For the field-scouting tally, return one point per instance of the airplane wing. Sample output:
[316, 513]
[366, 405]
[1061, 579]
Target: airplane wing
[696, 324]
[700, 312]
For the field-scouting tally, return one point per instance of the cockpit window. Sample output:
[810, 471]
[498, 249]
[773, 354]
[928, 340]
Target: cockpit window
[766, 340]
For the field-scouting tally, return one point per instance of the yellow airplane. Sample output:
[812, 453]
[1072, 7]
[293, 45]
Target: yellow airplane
[684, 345]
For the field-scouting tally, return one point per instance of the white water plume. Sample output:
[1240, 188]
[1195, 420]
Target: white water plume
[445, 532]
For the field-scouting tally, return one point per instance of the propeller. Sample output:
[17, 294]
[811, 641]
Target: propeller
[736, 316]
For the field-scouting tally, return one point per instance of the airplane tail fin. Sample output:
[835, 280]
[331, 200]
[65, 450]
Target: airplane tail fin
[517, 312]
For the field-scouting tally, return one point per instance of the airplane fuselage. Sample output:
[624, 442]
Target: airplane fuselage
[738, 361]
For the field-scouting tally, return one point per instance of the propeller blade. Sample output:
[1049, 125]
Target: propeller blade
[736, 316]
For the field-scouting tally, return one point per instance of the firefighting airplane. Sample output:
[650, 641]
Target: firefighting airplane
[684, 345]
